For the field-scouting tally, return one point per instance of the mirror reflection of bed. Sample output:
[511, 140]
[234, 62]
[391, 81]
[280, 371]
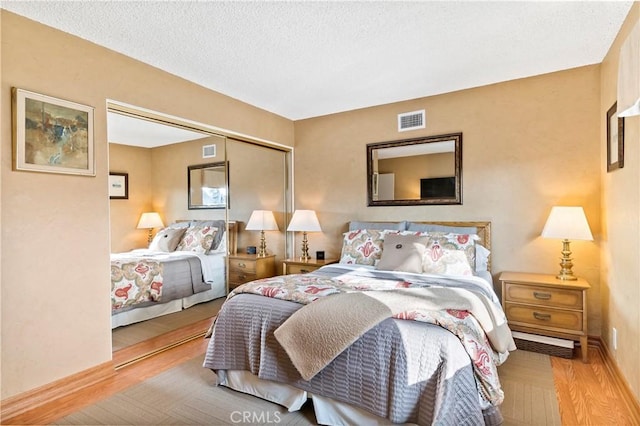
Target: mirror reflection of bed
[157, 175]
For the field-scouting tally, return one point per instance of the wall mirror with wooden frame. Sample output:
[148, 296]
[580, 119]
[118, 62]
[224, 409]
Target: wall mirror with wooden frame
[207, 186]
[419, 171]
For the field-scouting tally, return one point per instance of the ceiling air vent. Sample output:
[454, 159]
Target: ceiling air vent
[411, 121]
[208, 151]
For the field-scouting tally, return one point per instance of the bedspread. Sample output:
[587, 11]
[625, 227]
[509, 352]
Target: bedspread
[134, 282]
[468, 313]
[418, 366]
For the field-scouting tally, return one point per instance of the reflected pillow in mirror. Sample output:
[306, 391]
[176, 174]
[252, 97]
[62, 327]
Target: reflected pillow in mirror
[362, 246]
[167, 239]
[197, 239]
[403, 253]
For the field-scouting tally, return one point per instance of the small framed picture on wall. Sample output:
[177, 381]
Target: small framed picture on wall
[118, 186]
[615, 139]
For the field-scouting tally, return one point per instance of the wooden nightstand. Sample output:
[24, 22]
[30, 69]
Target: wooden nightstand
[542, 304]
[248, 267]
[296, 266]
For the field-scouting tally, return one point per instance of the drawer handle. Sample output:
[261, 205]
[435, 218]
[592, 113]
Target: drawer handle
[541, 317]
[242, 277]
[304, 271]
[242, 265]
[541, 296]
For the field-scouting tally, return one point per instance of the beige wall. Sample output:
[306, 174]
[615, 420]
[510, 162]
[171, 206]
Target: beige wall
[58, 225]
[620, 271]
[124, 214]
[528, 145]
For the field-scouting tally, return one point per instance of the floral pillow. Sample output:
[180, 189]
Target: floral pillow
[451, 254]
[362, 246]
[197, 239]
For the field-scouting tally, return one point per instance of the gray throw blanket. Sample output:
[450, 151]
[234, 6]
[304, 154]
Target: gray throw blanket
[317, 333]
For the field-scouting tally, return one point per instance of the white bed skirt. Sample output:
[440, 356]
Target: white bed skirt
[153, 311]
[327, 410]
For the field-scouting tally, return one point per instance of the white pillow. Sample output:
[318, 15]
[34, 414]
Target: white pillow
[167, 239]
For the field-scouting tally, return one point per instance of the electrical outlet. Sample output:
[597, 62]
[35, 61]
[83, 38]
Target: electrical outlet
[614, 338]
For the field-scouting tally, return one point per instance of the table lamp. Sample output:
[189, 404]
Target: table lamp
[149, 221]
[305, 221]
[262, 220]
[567, 223]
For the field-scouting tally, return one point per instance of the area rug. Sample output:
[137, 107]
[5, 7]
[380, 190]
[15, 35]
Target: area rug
[186, 395]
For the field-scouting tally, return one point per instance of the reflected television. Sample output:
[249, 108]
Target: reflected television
[444, 187]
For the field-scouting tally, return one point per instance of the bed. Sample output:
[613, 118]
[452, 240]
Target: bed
[405, 329]
[184, 265]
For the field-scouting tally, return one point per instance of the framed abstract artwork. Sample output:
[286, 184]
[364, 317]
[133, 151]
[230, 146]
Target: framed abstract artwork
[52, 135]
[615, 139]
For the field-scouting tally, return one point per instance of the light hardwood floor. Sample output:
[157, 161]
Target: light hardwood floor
[588, 394]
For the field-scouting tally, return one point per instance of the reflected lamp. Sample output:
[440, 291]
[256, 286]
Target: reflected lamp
[149, 221]
[262, 220]
[305, 221]
[567, 223]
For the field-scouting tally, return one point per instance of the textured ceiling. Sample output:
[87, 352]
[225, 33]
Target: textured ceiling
[302, 59]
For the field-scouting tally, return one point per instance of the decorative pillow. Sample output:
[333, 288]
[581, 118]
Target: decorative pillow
[446, 262]
[482, 258]
[220, 224]
[465, 243]
[197, 239]
[167, 239]
[403, 253]
[396, 226]
[362, 246]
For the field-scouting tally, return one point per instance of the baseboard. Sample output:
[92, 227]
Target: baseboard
[627, 395]
[15, 406]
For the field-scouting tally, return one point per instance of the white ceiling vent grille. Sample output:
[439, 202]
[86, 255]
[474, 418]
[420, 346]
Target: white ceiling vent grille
[208, 151]
[411, 121]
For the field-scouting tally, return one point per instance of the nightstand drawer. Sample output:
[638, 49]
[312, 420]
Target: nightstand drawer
[300, 269]
[242, 266]
[544, 296]
[534, 316]
[241, 276]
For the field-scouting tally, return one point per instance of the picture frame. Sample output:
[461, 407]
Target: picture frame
[52, 135]
[118, 186]
[615, 139]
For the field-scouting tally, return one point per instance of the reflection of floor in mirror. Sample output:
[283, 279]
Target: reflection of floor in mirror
[128, 335]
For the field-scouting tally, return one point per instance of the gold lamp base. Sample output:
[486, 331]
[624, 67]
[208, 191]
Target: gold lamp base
[566, 263]
[262, 252]
[305, 248]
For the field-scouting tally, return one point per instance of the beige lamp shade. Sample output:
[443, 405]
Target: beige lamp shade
[567, 223]
[304, 220]
[150, 220]
[629, 75]
[262, 220]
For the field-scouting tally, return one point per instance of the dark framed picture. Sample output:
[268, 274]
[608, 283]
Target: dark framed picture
[52, 135]
[118, 186]
[615, 139]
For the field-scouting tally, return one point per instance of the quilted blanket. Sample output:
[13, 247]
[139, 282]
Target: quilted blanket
[316, 334]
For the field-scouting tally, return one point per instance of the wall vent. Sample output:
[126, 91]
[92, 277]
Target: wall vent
[208, 151]
[411, 121]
